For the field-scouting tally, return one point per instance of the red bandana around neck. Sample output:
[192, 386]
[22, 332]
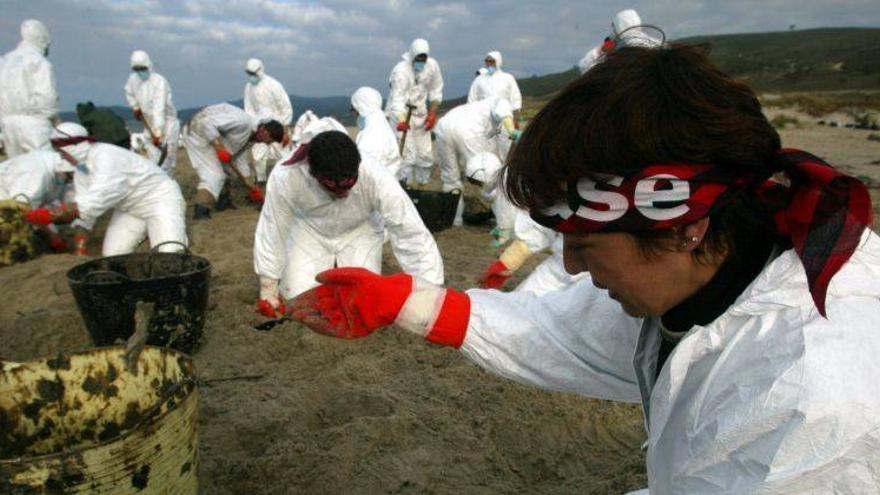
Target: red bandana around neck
[821, 210]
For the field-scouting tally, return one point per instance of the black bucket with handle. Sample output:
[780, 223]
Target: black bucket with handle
[107, 291]
[436, 208]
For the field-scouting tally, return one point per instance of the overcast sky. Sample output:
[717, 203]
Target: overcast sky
[325, 48]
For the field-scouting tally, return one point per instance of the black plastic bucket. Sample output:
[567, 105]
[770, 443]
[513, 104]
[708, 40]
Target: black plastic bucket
[436, 208]
[107, 291]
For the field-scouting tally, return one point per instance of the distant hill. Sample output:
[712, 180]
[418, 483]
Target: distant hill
[808, 60]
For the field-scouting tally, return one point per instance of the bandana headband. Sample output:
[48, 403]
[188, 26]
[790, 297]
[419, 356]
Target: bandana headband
[70, 141]
[340, 186]
[821, 210]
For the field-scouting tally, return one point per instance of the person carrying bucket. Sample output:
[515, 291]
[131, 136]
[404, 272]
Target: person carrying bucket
[145, 201]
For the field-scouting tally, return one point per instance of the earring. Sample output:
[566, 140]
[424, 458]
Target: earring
[694, 239]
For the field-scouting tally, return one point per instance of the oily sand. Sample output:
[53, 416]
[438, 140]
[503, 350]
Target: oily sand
[302, 413]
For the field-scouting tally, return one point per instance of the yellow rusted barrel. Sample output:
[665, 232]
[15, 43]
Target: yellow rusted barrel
[85, 423]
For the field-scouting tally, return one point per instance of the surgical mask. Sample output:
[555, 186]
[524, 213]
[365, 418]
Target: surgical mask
[60, 181]
[254, 80]
[361, 121]
[46, 52]
[143, 75]
[419, 66]
[490, 69]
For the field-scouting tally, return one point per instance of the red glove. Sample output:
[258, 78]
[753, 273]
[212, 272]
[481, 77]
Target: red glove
[402, 126]
[430, 120]
[256, 195]
[354, 302]
[138, 115]
[79, 243]
[224, 155]
[39, 216]
[157, 142]
[495, 276]
[265, 308]
[58, 244]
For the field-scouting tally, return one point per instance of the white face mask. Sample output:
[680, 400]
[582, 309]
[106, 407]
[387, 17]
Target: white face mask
[254, 79]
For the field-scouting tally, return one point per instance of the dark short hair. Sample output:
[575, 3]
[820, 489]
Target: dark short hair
[333, 155]
[644, 106]
[276, 130]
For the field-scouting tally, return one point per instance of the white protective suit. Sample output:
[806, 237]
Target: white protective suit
[485, 168]
[499, 84]
[375, 141]
[550, 274]
[307, 118]
[235, 127]
[31, 177]
[144, 200]
[462, 133]
[407, 87]
[769, 398]
[624, 32]
[28, 99]
[267, 98]
[153, 98]
[303, 230]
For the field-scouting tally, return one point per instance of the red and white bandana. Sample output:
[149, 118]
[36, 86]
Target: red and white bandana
[337, 186]
[821, 210]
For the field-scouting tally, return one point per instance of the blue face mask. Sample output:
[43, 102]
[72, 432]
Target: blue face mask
[491, 70]
[143, 75]
[361, 121]
[419, 66]
[254, 80]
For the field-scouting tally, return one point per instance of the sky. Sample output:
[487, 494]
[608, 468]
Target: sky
[330, 48]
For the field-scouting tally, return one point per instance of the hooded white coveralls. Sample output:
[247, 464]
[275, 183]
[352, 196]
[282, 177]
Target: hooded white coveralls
[485, 167]
[144, 200]
[153, 98]
[769, 398]
[28, 99]
[464, 132]
[31, 177]
[303, 230]
[235, 127]
[550, 274]
[499, 84]
[266, 99]
[407, 87]
[376, 142]
[625, 32]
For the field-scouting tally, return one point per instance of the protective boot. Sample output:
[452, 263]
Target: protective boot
[224, 202]
[204, 202]
[201, 212]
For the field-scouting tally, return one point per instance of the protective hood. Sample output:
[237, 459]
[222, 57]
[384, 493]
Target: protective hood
[481, 71]
[501, 110]
[496, 55]
[482, 167]
[72, 132]
[140, 58]
[416, 48]
[61, 165]
[35, 33]
[624, 20]
[366, 100]
[255, 65]
[321, 125]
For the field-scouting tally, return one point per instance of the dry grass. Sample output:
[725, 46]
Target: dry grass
[858, 104]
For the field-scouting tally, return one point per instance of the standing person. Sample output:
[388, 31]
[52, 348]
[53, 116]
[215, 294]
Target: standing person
[265, 97]
[626, 30]
[28, 99]
[375, 140]
[149, 95]
[320, 210]
[465, 131]
[735, 285]
[145, 201]
[496, 83]
[416, 91]
[221, 135]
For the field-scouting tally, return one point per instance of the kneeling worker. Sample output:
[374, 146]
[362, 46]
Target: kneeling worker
[144, 199]
[320, 210]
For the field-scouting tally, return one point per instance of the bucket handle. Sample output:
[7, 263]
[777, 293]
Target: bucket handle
[185, 247]
[123, 277]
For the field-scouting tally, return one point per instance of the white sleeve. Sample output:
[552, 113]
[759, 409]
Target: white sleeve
[473, 94]
[283, 108]
[435, 89]
[249, 99]
[273, 230]
[397, 93]
[575, 340]
[107, 189]
[536, 237]
[515, 94]
[129, 93]
[412, 242]
[158, 107]
[44, 97]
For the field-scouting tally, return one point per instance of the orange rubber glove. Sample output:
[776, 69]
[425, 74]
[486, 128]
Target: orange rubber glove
[495, 276]
[430, 120]
[256, 195]
[39, 216]
[223, 155]
[265, 308]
